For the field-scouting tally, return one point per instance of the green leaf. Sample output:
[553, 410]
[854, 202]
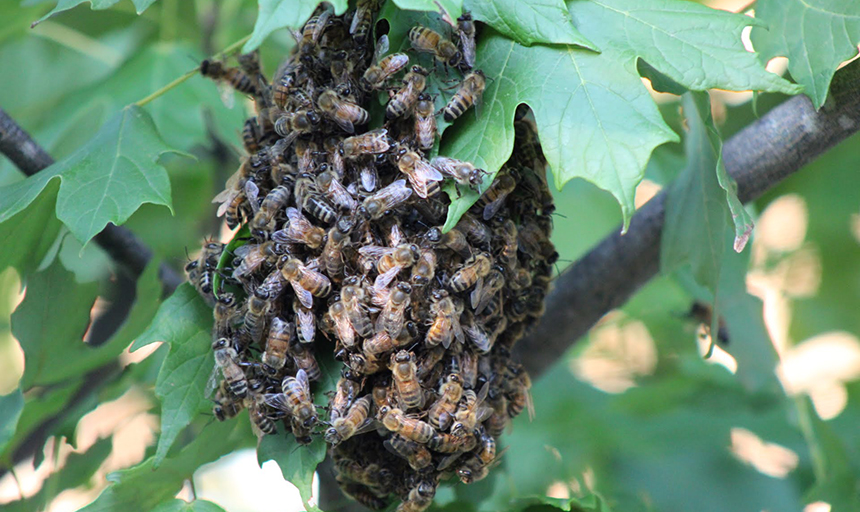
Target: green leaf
[188, 506]
[453, 8]
[106, 180]
[589, 503]
[816, 36]
[28, 235]
[65, 5]
[185, 322]
[53, 294]
[835, 479]
[696, 213]
[143, 487]
[596, 119]
[11, 406]
[297, 462]
[277, 14]
[696, 46]
[536, 21]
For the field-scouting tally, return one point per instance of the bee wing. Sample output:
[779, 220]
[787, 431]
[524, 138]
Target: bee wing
[369, 178]
[477, 293]
[302, 377]
[493, 207]
[297, 221]
[375, 251]
[305, 320]
[304, 296]
[395, 237]
[345, 124]
[368, 425]
[277, 401]
[478, 337]
[448, 461]
[384, 279]
[469, 51]
[342, 197]
[212, 382]
[322, 21]
[252, 192]
[382, 45]
[281, 236]
[428, 172]
[345, 332]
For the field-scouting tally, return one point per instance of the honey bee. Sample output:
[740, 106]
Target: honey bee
[292, 124]
[343, 327]
[446, 321]
[468, 94]
[405, 98]
[288, 76]
[306, 283]
[262, 422]
[362, 20]
[475, 230]
[392, 261]
[422, 176]
[373, 142]
[420, 497]
[385, 199]
[232, 198]
[347, 389]
[469, 368]
[226, 406]
[416, 454]
[427, 40]
[252, 135]
[225, 359]
[364, 364]
[425, 122]
[305, 321]
[329, 185]
[471, 411]
[477, 334]
[201, 270]
[411, 428]
[466, 31]
[299, 230]
[264, 219]
[377, 478]
[441, 413]
[225, 313]
[472, 272]
[250, 64]
[304, 156]
[343, 112]
[429, 360]
[424, 268]
[464, 173]
[311, 33]
[363, 495]
[482, 296]
[295, 398]
[507, 231]
[338, 238]
[277, 343]
[494, 197]
[519, 396]
[237, 78]
[353, 423]
[353, 296]
[475, 466]
[319, 208]
[499, 419]
[403, 371]
[258, 307]
[254, 255]
[376, 75]
[392, 316]
[453, 239]
[444, 442]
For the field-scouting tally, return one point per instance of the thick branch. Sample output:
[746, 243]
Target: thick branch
[128, 251]
[760, 156]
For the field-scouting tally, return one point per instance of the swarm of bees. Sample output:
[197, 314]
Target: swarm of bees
[342, 252]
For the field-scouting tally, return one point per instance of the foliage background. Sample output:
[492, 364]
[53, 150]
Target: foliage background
[632, 419]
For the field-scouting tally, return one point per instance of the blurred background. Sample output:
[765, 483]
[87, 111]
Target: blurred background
[633, 412]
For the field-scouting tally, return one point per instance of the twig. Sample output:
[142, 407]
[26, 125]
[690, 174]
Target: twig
[126, 249]
[760, 156]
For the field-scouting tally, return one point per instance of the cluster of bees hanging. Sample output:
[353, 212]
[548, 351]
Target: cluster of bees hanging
[343, 254]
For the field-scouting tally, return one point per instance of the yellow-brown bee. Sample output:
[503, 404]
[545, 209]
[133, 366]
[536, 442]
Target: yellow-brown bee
[403, 101]
[427, 40]
[471, 412]
[446, 321]
[411, 428]
[237, 78]
[274, 202]
[464, 173]
[352, 295]
[338, 238]
[292, 124]
[385, 199]
[494, 197]
[305, 321]
[467, 95]
[476, 231]
[376, 75]
[262, 422]
[466, 31]
[225, 313]
[354, 422]
[425, 122]
[306, 283]
[444, 442]
[226, 405]
[493, 284]
[278, 342]
[441, 413]
[416, 454]
[424, 269]
[422, 176]
[342, 326]
[363, 495]
[295, 398]
[328, 183]
[343, 112]
[252, 135]
[362, 20]
[257, 309]
[299, 230]
[474, 270]
[393, 313]
[403, 370]
[373, 142]
[420, 497]
[225, 359]
[311, 33]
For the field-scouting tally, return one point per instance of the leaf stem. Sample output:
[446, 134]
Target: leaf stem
[79, 42]
[227, 51]
[804, 419]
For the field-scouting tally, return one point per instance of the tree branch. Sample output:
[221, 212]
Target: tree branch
[758, 157]
[126, 249]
